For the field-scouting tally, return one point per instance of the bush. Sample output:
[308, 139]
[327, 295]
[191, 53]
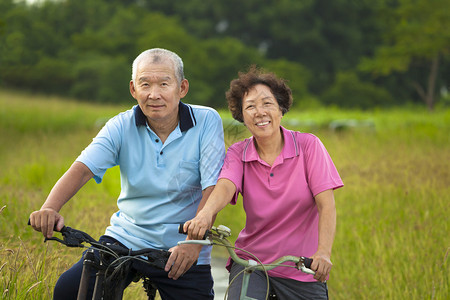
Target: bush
[296, 76]
[349, 92]
[101, 78]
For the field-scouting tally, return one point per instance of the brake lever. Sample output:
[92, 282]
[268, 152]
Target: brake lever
[55, 239]
[71, 237]
[305, 265]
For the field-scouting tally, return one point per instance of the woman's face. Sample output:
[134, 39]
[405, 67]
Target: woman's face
[261, 112]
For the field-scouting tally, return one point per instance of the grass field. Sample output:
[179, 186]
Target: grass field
[392, 239]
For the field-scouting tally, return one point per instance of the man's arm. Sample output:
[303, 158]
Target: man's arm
[183, 256]
[66, 187]
[211, 159]
[327, 228]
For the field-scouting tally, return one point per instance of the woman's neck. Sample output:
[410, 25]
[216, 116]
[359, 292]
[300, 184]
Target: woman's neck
[269, 148]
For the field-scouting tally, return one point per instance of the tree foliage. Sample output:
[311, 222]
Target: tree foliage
[84, 48]
[350, 92]
[416, 37]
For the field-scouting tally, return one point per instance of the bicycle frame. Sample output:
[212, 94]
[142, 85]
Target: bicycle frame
[76, 238]
[219, 234]
[90, 263]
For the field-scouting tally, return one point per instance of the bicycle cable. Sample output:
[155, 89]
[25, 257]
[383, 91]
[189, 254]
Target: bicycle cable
[242, 271]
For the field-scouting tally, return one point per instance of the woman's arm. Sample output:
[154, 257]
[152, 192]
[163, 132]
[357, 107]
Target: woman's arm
[327, 228]
[221, 195]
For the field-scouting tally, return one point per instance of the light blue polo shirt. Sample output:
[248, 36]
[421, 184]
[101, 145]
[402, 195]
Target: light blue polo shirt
[161, 184]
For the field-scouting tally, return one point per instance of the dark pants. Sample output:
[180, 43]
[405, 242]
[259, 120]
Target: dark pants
[284, 288]
[197, 283]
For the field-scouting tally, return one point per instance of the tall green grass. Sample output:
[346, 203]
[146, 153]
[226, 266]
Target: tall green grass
[392, 238]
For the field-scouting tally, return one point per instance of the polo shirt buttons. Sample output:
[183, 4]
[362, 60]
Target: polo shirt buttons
[161, 153]
[157, 140]
[271, 174]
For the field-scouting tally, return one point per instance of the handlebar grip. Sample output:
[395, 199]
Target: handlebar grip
[308, 262]
[54, 228]
[181, 230]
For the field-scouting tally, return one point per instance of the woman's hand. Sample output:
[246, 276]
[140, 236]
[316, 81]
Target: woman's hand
[321, 265]
[196, 227]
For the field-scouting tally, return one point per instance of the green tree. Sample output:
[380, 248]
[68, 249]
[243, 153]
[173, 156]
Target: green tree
[416, 34]
[296, 75]
[84, 48]
[325, 36]
[349, 91]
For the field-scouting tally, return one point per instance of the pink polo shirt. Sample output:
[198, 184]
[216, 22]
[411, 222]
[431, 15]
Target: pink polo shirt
[282, 217]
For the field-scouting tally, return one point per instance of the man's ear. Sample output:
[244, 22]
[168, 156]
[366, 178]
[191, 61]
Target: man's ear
[132, 89]
[184, 88]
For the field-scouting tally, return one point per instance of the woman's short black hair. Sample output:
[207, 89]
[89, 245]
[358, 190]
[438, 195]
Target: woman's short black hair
[240, 87]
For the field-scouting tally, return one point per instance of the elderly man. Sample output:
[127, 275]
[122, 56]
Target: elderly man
[170, 155]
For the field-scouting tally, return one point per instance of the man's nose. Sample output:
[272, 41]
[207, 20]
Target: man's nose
[154, 92]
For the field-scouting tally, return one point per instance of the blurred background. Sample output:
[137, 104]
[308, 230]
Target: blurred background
[352, 54]
[370, 79]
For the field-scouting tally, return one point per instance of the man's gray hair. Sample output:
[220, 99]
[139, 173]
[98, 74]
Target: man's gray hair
[158, 55]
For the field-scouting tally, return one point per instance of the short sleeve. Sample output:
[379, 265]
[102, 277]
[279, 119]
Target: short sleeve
[102, 153]
[320, 170]
[212, 149]
[233, 168]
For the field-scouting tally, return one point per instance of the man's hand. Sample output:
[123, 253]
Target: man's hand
[181, 259]
[321, 265]
[46, 220]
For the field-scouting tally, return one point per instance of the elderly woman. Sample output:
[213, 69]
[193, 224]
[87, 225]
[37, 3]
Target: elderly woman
[287, 180]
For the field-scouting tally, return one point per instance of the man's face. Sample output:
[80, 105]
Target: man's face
[158, 92]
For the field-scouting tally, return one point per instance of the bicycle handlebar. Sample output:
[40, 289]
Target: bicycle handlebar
[181, 230]
[75, 238]
[220, 233]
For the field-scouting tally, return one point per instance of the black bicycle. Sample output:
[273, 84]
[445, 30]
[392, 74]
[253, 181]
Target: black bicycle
[112, 265]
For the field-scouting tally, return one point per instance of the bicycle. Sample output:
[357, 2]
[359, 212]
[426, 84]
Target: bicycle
[218, 236]
[113, 263]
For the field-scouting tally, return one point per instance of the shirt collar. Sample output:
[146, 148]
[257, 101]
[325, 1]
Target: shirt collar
[185, 112]
[290, 148]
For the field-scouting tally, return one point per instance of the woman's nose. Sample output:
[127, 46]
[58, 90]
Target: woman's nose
[260, 110]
